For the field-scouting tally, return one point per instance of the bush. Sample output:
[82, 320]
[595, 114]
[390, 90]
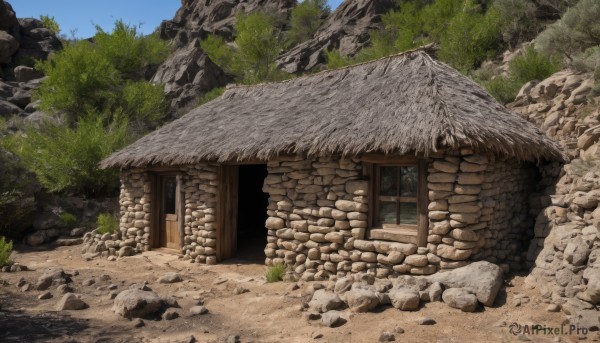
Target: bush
[68, 219]
[107, 223]
[66, 159]
[517, 20]
[576, 31]
[143, 102]
[503, 89]
[532, 65]
[275, 273]
[5, 251]
[258, 43]
[50, 23]
[305, 20]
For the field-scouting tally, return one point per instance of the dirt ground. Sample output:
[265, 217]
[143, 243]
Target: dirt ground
[269, 312]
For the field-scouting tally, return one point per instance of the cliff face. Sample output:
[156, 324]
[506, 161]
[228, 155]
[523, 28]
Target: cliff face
[346, 29]
[188, 73]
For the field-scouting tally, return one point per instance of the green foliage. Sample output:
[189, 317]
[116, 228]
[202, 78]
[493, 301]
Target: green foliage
[107, 223]
[532, 65]
[211, 95]
[128, 51]
[5, 251]
[575, 32]
[466, 32]
[86, 77]
[503, 89]
[50, 23]
[335, 60]
[517, 20]
[65, 158]
[68, 219]
[80, 79]
[258, 42]
[305, 20]
[275, 273]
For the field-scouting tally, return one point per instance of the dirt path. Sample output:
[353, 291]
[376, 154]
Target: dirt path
[267, 313]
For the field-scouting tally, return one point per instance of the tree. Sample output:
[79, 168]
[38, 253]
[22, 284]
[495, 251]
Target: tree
[50, 23]
[305, 19]
[257, 45]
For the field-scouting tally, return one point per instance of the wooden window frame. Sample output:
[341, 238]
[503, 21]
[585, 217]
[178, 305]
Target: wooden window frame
[405, 233]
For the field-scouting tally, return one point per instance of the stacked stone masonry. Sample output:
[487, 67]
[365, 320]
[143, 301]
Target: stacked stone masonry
[318, 215]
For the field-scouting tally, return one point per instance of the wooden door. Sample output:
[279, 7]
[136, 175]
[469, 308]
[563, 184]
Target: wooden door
[169, 214]
[227, 211]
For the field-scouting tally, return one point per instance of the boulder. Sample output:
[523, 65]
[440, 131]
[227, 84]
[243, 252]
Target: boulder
[404, 299]
[8, 46]
[460, 299]
[8, 18]
[361, 300]
[70, 301]
[25, 74]
[170, 278]
[135, 303]
[323, 301]
[331, 319]
[198, 310]
[482, 278]
[8, 109]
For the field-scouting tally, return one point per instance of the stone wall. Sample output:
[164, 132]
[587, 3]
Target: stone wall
[318, 216]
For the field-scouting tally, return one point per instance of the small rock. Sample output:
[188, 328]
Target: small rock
[170, 278]
[219, 281]
[426, 321]
[331, 318]
[170, 302]
[323, 301]
[233, 339]
[45, 295]
[294, 287]
[386, 336]
[399, 330]
[70, 301]
[189, 339]
[112, 258]
[460, 298]
[240, 290]
[198, 310]
[104, 277]
[171, 314]
[137, 323]
[27, 287]
[88, 282]
[112, 295]
[112, 287]
[62, 289]
[135, 303]
[405, 299]
[553, 308]
[311, 315]
[317, 335]
[22, 282]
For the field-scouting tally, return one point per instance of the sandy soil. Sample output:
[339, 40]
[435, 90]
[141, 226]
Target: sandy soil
[267, 313]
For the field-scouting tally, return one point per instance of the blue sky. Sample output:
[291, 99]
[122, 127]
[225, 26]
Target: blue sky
[79, 16]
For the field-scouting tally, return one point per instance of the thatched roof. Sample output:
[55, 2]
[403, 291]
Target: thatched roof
[407, 103]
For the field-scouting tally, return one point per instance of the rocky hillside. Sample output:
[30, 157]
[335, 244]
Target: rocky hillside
[22, 41]
[565, 253]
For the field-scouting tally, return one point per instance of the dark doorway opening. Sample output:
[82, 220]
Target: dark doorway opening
[252, 213]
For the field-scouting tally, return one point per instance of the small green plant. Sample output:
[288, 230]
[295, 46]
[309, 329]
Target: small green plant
[275, 273]
[50, 23]
[68, 219]
[107, 223]
[5, 251]
[503, 89]
[532, 65]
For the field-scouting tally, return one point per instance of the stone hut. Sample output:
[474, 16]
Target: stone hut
[396, 166]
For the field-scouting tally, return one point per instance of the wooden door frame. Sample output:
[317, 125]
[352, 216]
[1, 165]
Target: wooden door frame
[157, 205]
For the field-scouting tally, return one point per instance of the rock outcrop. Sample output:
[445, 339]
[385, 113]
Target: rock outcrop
[566, 249]
[346, 29]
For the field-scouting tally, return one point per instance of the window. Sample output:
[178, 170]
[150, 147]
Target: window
[398, 199]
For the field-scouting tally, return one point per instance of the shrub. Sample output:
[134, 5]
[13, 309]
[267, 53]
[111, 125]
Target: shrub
[305, 19]
[503, 89]
[65, 158]
[50, 23]
[517, 20]
[258, 43]
[5, 251]
[532, 65]
[107, 223]
[143, 102]
[68, 219]
[275, 273]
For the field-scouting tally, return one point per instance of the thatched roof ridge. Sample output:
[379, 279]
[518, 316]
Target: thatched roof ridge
[407, 103]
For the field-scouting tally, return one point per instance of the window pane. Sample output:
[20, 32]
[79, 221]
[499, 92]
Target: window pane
[408, 213]
[387, 213]
[408, 181]
[389, 181]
